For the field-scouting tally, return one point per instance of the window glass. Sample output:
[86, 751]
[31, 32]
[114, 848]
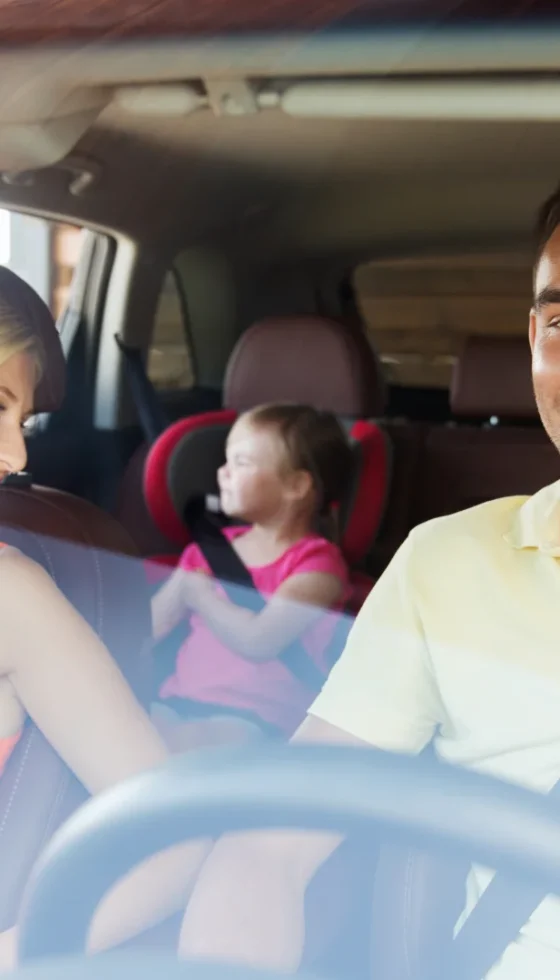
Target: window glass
[419, 312]
[44, 253]
[170, 366]
[66, 250]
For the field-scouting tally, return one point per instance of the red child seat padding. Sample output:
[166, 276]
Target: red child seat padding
[182, 466]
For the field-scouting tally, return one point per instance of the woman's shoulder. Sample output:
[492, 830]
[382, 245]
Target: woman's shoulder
[11, 557]
[17, 569]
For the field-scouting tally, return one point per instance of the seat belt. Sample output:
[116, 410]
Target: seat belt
[234, 576]
[494, 924]
[153, 419]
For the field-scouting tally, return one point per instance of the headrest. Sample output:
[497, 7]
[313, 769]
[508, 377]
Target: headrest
[493, 377]
[30, 308]
[305, 359]
[182, 466]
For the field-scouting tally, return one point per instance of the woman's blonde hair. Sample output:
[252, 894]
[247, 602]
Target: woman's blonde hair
[16, 337]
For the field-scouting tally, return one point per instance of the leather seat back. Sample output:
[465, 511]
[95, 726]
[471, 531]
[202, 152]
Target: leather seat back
[500, 449]
[417, 900]
[94, 563]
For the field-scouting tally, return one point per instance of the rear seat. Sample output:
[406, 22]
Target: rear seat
[323, 363]
[407, 444]
[308, 359]
[502, 450]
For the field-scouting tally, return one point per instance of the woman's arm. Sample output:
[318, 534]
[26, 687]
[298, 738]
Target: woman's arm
[295, 606]
[69, 684]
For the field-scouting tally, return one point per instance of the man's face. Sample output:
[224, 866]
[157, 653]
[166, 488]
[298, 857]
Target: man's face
[544, 337]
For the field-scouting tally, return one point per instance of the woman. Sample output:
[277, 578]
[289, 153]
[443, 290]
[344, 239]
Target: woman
[55, 669]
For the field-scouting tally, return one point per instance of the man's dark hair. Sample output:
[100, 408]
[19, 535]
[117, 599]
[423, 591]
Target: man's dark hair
[548, 220]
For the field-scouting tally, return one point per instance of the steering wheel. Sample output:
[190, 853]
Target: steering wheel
[314, 787]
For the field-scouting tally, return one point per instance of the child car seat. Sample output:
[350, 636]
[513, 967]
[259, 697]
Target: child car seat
[307, 359]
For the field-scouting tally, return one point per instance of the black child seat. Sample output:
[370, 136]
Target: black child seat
[92, 560]
[277, 360]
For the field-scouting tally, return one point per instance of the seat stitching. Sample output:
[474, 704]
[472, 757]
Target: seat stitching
[63, 783]
[93, 550]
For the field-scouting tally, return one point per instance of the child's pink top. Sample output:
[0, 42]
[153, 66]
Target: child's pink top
[208, 672]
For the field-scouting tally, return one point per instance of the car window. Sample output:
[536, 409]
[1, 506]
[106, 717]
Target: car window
[170, 362]
[419, 312]
[42, 252]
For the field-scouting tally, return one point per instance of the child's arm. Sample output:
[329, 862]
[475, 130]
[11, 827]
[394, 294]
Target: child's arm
[169, 605]
[259, 637]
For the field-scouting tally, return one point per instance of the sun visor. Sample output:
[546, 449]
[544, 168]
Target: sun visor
[33, 141]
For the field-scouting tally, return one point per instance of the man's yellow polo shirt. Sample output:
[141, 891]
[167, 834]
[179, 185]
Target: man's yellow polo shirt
[459, 642]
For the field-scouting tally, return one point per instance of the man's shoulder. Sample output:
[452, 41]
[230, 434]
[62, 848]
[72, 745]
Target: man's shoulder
[484, 526]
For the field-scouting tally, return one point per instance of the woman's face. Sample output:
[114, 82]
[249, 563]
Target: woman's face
[17, 377]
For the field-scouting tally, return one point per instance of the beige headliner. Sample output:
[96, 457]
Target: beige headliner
[279, 188]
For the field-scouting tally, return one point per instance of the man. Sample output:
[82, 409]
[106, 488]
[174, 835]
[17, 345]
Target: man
[468, 660]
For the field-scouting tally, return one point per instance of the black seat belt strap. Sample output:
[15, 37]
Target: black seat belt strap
[150, 412]
[495, 922]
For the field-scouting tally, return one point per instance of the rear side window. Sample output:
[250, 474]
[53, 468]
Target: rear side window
[419, 312]
[170, 362]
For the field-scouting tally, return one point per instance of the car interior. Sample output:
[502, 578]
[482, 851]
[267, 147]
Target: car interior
[338, 218]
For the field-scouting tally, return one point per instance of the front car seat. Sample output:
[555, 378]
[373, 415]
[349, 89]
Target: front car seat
[94, 563]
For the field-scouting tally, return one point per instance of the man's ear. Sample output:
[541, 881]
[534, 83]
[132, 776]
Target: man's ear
[532, 329]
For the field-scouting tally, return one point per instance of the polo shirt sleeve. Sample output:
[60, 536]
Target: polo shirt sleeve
[383, 690]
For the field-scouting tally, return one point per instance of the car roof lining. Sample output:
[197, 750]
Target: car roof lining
[275, 187]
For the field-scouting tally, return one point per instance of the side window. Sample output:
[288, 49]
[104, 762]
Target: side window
[44, 253]
[419, 312]
[170, 363]
[66, 249]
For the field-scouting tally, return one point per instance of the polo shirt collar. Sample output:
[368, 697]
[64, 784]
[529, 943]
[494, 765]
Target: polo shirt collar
[537, 522]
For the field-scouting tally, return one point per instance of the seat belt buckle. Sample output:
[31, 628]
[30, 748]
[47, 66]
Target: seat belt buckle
[21, 481]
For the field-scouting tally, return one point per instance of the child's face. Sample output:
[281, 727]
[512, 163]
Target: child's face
[257, 483]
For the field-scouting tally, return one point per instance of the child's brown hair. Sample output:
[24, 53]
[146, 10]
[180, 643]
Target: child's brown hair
[315, 442]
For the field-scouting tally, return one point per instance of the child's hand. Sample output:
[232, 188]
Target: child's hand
[198, 586]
